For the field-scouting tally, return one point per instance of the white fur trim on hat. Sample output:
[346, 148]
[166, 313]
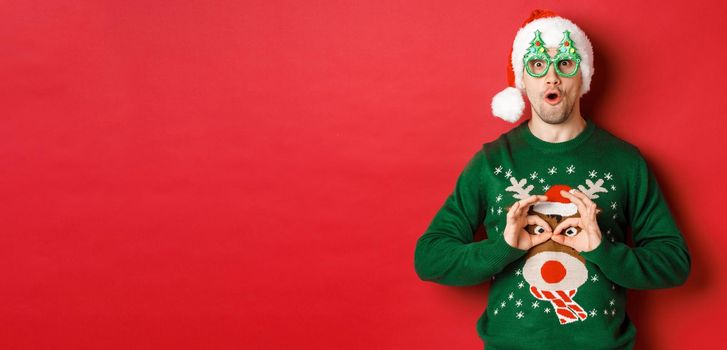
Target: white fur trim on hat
[508, 104]
[555, 208]
[551, 31]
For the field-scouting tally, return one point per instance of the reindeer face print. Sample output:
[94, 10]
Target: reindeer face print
[551, 265]
[555, 271]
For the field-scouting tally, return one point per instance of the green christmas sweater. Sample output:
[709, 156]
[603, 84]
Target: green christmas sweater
[552, 296]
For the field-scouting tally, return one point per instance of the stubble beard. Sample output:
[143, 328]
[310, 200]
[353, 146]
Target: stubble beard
[553, 115]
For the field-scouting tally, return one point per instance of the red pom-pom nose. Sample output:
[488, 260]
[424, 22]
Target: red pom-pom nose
[552, 271]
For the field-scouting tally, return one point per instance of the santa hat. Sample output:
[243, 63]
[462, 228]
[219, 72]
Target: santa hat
[509, 104]
[556, 203]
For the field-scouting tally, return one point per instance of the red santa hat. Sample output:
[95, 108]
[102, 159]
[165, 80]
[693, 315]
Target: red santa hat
[556, 204]
[509, 104]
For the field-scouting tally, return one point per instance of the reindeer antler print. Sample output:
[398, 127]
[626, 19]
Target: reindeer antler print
[592, 188]
[517, 187]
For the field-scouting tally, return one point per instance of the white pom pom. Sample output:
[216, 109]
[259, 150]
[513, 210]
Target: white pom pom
[508, 104]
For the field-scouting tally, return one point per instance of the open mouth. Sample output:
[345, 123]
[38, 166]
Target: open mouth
[553, 97]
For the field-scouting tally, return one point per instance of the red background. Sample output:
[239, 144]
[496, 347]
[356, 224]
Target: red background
[255, 174]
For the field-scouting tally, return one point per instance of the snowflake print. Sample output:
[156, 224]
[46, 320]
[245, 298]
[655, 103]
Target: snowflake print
[612, 240]
[533, 175]
[498, 198]
[570, 170]
[592, 173]
[498, 170]
[541, 180]
[608, 232]
[605, 312]
[613, 216]
[613, 312]
[519, 314]
[502, 304]
[613, 287]
[492, 210]
[546, 310]
[510, 296]
[608, 176]
[518, 272]
[499, 210]
[521, 285]
[545, 188]
[552, 171]
[496, 311]
[613, 205]
[508, 173]
[519, 303]
[612, 302]
[613, 188]
[593, 313]
[535, 305]
[594, 278]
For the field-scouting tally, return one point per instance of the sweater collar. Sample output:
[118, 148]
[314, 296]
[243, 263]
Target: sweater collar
[555, 147]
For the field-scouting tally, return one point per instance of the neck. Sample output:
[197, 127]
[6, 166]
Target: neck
[561, 132]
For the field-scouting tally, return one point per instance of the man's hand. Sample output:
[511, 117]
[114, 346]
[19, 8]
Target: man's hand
[590, 235]
[517, 218]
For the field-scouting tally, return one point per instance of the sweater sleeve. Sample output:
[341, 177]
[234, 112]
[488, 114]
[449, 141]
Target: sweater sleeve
[659, 258]
[446, 253]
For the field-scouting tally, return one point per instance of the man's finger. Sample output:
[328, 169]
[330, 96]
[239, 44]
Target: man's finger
[537, 239]
[519, 212]
[520, 208]
[586, 200]
[590, 206]
[527, 202]
[588, 203]
[592, 210]
[565, 224]
[537, 220]
[562, 240]
[513, 207]
[511, 212]
[577, 200]
[532, 199]
[572, 195]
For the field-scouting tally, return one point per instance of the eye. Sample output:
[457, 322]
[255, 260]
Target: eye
[537, 65]
[571, 231]
[538, 230]
[567, 66]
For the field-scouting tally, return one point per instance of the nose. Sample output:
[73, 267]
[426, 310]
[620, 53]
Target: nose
[552, 77]
[552, 271]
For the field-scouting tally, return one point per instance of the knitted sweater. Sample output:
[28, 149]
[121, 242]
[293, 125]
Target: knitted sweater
[552, 296]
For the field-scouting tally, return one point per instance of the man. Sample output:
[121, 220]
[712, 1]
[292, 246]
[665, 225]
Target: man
[555, 195]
